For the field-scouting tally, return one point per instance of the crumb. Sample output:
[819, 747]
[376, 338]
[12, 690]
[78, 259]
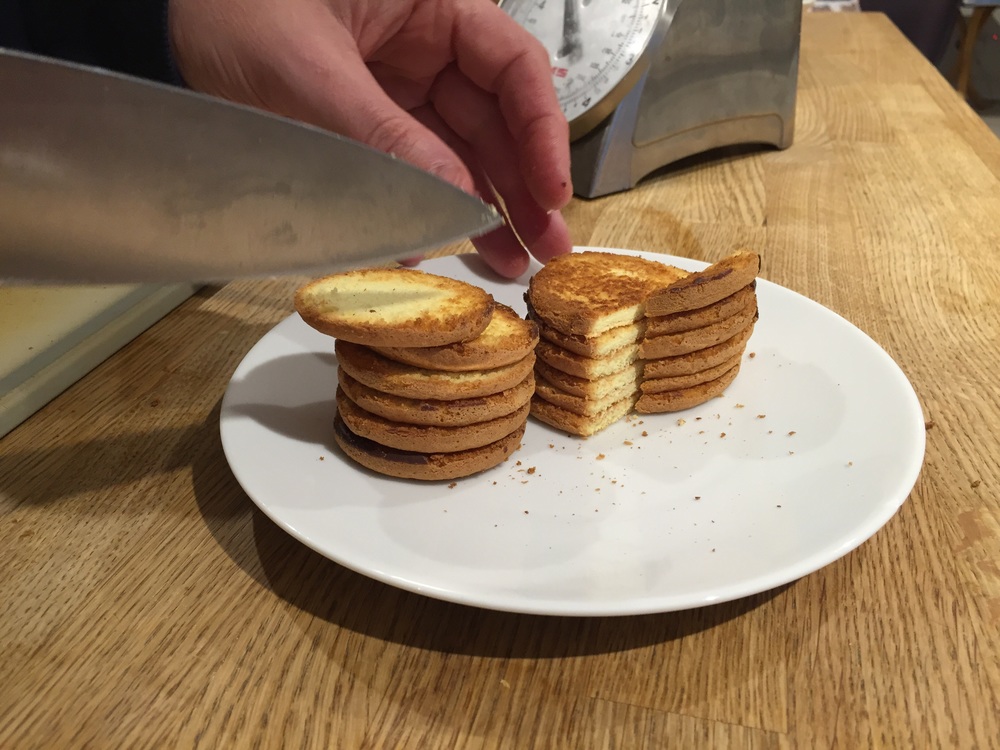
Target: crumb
[645, 434]
[452, 486]
[518, 463]
[791, 432]
[722, 434]
[525, 512]
[504, 683]
[777, 506]
[597, 489]
[701, 432]
[697, 497]
[524, 481]
[697, 419]
[494, 483]
[739, 406]
[641, 422]
[752, 355]
[791, 453]
[531, 469]
[615, 481]
[627, 442]
[713, 549]
[770, 432]
[976, 483]
[850, 463]
[600, 457]
[761, 416]
[681, 422]
[322, 458]
[551, 445]
[928, 424]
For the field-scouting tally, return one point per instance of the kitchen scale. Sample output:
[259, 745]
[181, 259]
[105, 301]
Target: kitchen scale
[645, 83]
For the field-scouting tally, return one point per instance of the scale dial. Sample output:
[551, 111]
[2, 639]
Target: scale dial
[595, 47]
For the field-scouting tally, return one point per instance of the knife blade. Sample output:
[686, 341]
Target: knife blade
[105, 178]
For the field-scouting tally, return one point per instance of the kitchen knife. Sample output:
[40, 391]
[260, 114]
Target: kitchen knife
[106, 178]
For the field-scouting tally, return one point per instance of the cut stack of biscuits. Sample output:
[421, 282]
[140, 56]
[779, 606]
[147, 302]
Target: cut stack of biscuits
[435, 378]
[621, 333]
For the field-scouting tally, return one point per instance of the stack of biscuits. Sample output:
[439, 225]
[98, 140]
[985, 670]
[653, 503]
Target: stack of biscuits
[435, 378]
[621, 333]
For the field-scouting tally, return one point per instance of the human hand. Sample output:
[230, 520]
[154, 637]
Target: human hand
[455, 87]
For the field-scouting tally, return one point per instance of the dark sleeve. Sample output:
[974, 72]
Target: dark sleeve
[129, 36]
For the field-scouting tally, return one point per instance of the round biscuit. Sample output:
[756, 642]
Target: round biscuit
[685, 398]
[372, 369]
[426, 438]
[441, 413]
[394, 307]
[424, 466]
[507, 339]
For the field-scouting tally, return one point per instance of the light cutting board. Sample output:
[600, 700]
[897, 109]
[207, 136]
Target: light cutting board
[50, 337]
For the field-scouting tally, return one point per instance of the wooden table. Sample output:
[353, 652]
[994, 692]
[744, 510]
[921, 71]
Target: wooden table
[147, 603]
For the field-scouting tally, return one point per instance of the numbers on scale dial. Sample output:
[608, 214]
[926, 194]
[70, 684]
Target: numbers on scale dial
[592, 43]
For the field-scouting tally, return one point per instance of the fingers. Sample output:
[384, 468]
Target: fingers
[475, 118]
[501, 248]
[515, 67]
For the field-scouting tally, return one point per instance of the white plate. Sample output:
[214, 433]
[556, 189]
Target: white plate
[811, 450]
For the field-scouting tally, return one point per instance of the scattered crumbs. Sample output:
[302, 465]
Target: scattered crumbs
[739, 406]
[697, 419]
[928, 424]
[681, 422]
[505, 684]
[551, 445]
[494, 483]
[524, 481]
[645, 434]
[525, 512]
[697, 497]
[322, 458]
[518, 463]
[976, 483]
[627, 442]
[761, 416]
[641, 422]
[615, 481]
[600, 457]
[531, 469]
[718, 416]
[452, 486]
[597, 489]
[722, 434]
[791, 432]
[752, 355]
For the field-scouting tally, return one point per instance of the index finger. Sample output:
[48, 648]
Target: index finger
[500, 56]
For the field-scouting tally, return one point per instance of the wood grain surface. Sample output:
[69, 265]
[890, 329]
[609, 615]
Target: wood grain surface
[147, 603]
